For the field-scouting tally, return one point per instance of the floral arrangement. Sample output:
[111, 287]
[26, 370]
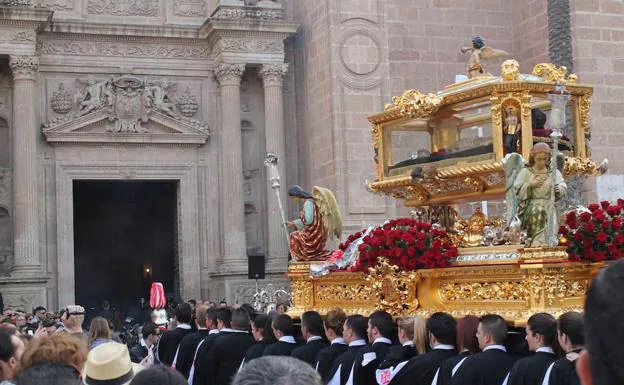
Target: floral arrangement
[405, 242]
[595, 234]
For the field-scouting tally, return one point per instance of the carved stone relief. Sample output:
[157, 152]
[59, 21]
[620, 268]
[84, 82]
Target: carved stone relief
[5, 145]
[187, 103]
[189, 8]
[18, 36]
[61, 101]
[56, 5]
[251, 45]
[123, 7]
[125, 49]
[248, 13]
[6, 238]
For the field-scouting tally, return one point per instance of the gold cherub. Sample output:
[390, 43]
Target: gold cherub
[479, 52]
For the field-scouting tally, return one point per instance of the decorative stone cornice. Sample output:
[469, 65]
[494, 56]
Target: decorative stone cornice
[238, 12]
[229, 74]
[24, 67]
[273, 74]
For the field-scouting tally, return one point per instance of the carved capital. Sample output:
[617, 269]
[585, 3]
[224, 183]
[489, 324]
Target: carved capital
[229, 74]
[273, 74]
[24, 67]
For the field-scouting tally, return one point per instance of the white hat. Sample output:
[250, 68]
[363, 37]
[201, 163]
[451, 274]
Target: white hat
[109, 364]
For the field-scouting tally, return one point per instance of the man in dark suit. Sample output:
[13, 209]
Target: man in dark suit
[333, 325]
[169, 342]
[422, 369]
[186, 352]
[284, 330]
[354, 333]
[490, 367]
[150, 334]
[198, 374]
[380, 330]
[228, 350]
[312, 331]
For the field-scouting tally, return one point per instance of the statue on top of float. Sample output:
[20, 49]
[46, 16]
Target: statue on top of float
[319, 220]
[158, 302]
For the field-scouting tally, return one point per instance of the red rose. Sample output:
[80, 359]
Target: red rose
[573, 225]
[411, 252]
[614, 210]
[620, 202]
[605, 204]
[601, 237]
[585, 217]
[563, 230]
[592, 207]
[573, 258]
[619, 239]
[362, 247]
[589, 227]
[407, 238]
[571, 216]
[599, 256]
[578, 236]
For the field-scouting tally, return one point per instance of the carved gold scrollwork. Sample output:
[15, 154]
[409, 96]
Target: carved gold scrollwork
[534, 284]
[584, 108]
[376, 134]
[554, 289]
[586, 167]
[302, 292]
[551, 73]
[395, 290]
[415, 104]
[475, 184]
[480, 291]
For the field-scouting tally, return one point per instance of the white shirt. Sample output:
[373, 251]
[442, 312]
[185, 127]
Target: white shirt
[545, 349]
[339, 340]
[382, 340]
[499, 347]
[408, 343]
[314, 338]
[184, 326]
[444, 347]
[288, 339]
[357, 343]
[213, 331]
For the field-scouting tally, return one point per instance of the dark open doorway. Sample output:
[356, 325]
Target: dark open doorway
[124, 238]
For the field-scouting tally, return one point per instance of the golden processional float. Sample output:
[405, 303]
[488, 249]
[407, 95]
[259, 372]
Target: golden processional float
[487, 138]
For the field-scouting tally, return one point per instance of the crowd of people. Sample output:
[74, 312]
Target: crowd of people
[209, 344]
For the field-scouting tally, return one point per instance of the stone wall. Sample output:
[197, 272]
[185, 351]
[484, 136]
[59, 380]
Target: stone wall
[598, 33]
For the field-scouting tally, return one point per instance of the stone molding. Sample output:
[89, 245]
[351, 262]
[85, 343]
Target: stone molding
[256, 13]
[273, 74]
[24, 67]
[125, 48]
[229, 74]
[251, 45]
[189, 8]
[144, 8]
[6, 178]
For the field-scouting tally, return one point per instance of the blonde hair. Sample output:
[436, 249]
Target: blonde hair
[99, 329]
[420, 334]
[59, 348]
[407, 325]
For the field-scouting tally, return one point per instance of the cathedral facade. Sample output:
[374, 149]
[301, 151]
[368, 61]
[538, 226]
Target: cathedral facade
[171, 105]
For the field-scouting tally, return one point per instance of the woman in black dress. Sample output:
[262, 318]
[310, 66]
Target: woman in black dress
[571, 335]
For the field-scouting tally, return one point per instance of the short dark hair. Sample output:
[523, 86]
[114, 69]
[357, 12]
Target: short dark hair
[211, 315]
[192, 302]
[7, 350]
[183, 313]
[268, 337]
[261, 321]
[249, 309]
[467, 334]
[495, 326]
[49, 373]
[240, 319]
[571, 324]
[148, 329]
[158, 374]
[39, 308]
[544, 324]
[224, 314]
[383, 322]
[443, 327]
[223, 302]
[358, 324]
[284, 324]
[604, 307]
[313, 321]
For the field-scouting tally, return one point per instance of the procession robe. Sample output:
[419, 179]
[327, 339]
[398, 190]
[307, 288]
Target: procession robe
[563, 371]
[169, 342]
[200, 365]
[368, 360]
[225, 356]
[186, 351]
[255, 351]
[531, 370]
[421, 369]
[309, 351]
[283, 347]
[489, 367]
[397, 354]
[450, 367]
[339, 373]
[326, 357]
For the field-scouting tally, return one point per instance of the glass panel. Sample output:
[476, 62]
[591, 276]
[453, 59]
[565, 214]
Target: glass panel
[541, 131]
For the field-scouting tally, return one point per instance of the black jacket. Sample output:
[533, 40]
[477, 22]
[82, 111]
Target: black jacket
[364, 368]
[326, 357]
[421, 369]
[344, 362]
[168, 344]
[186, 352]
[397, 354]
[225, 356]
[280, 348]
[137, 353]
[309, 351]
[530, 370]
[486, 368]
[201, 358]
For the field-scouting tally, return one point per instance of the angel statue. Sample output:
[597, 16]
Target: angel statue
[478, 52]
[319, 220]
[528, 193]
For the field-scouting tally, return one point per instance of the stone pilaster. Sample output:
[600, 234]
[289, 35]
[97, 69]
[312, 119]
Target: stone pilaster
[275, 139]
[25, 133]
[232, 195]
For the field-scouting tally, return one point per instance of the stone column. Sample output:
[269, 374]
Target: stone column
[231, 162]
[275, 139]
[25, 136]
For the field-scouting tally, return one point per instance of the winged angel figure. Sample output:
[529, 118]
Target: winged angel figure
[528, 193]
[480, 52]
[319, 220]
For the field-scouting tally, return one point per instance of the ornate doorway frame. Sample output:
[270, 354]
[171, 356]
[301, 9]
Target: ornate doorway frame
[188, 232]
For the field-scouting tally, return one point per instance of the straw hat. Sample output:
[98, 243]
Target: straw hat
[109, 364]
